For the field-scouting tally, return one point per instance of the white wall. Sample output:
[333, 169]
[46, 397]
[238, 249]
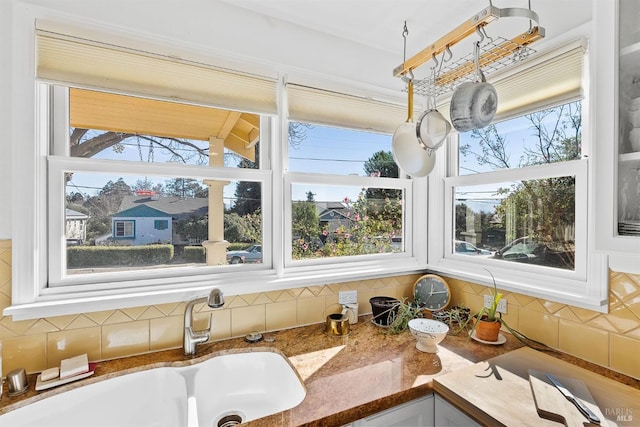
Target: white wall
[5, 119]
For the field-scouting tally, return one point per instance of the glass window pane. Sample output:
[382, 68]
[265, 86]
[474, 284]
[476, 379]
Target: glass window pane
[547, 136]
[117, 223]
[529, 222]
[342, 221]
[126, 128]
[339, 151]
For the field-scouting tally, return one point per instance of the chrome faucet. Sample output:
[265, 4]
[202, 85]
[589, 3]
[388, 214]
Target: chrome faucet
[191, 337]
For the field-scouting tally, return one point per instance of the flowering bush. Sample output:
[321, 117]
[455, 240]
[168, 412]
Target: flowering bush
[369, 225]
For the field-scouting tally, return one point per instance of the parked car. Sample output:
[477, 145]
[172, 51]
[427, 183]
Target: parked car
[466, 248]
[530, 251]
[251, 254]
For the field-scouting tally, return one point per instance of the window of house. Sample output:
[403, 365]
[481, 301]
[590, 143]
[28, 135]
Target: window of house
[330, 218]
[530, 221]
[181, 171]
[516, 192]
[161, 224]
[124, 229]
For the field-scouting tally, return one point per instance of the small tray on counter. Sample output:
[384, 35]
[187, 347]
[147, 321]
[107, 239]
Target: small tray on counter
[44, 385]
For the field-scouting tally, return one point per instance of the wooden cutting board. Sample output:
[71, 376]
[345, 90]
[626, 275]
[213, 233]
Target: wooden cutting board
[551, 404]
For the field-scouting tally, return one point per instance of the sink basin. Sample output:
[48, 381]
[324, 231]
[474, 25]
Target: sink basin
[236, 386]
[250, 385]
[156, 397]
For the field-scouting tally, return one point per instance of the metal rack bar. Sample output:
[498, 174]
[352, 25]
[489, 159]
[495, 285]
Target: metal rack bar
[484, 17]
[497, 53]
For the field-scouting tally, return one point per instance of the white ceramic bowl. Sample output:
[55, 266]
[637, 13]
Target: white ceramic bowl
[428, 333]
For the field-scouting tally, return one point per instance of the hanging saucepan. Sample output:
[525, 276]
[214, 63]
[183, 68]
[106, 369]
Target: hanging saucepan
[474, 104]
[407, 153]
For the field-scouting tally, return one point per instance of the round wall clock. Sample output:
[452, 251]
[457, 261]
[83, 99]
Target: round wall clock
[431, 292]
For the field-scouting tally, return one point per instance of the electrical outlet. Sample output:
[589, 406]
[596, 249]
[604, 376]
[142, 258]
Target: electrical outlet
[502, 304]
[348, 297]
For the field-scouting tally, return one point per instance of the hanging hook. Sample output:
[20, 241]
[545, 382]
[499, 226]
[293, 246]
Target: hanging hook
[405, 33]
[483, 30]
[435, 60]
[480, 33]
[447, 50]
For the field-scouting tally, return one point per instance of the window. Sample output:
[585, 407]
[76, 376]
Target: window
[161, 224]
[178, 171]
[515, 193]
[527, 221]
[330, 220]
[124, 229]
[147, 218]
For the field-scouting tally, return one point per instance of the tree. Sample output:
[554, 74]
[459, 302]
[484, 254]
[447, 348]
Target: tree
[248, 195]
[186, 188]
[381, 164]
[545, 208]
[88, 143]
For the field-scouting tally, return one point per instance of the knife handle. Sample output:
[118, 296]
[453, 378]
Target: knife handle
[593, 418]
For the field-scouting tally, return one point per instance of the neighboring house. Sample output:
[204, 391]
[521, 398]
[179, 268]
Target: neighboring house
[142, 225]
[76, 227]
[152, 219]
[334, 215]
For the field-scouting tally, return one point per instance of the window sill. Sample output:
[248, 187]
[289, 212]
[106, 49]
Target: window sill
[72, 300]
[588, 294]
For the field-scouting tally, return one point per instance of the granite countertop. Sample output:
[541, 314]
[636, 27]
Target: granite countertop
[347, 378]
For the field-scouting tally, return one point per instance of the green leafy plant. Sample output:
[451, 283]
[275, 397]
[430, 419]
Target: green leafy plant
[405, 312]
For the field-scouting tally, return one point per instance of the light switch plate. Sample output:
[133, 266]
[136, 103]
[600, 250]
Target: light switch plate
[502, 304]
[347, 297]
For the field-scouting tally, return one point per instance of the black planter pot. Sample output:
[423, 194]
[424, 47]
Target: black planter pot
[384, 310]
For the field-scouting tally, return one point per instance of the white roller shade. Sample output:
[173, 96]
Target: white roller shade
[85, 63]
[546, 79]
[313, 105]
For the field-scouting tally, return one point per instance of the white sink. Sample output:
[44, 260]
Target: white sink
[247, 385]
[156, 397]
[252, 385]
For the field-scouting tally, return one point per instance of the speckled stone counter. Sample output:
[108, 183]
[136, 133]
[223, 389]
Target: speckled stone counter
[347, 378]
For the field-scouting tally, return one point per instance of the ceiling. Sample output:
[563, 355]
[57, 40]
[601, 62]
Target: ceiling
[379, 23]
[351, 42]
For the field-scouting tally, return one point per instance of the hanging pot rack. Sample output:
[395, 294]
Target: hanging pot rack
[495, 53]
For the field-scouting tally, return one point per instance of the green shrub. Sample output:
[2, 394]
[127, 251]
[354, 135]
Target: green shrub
[109, 256]
[194, 254]
[238, 246]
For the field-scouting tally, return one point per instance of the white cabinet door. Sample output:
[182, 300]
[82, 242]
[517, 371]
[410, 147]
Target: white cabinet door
[447, 415]
[417, 413]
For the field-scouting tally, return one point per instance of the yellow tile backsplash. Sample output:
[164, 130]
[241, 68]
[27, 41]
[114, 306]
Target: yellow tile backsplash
[611, 340]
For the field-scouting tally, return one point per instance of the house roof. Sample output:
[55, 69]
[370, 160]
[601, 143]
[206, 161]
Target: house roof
[176, 207]
[141, 211]
[71, 214]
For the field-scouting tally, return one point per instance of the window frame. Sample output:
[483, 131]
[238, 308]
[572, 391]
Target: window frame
[42, 177]
[404, 184]
[581, 287]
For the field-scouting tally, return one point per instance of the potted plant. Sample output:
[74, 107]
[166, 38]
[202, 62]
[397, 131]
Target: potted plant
[489, 319]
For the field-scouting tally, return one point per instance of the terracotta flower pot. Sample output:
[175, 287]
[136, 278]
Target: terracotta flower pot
[488, 331]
